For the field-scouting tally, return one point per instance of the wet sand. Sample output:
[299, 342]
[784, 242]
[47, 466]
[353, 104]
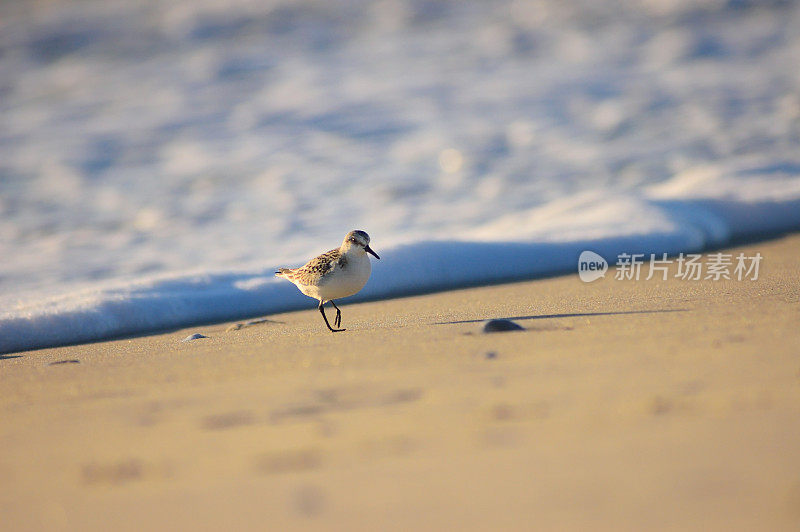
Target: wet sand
[623, 405]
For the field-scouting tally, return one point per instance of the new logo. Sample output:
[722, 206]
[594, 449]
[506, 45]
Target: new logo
[591, 266]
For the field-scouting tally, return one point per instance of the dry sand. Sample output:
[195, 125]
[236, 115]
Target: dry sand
[624, 405]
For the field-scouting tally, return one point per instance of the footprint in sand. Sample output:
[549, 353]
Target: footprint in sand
[228, 420]
[288, 461]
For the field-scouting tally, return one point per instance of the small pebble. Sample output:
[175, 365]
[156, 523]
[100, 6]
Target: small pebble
[194, 336]
[491, 354]
[490, 326]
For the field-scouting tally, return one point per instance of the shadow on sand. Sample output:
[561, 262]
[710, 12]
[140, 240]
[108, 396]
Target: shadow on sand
[575, 315]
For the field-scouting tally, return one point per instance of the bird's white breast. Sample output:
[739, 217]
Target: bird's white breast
[345, 280]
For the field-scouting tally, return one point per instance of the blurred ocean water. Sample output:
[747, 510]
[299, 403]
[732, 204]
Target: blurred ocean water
[142, 141]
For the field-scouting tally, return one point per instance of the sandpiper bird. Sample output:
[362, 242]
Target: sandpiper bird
[338, 273]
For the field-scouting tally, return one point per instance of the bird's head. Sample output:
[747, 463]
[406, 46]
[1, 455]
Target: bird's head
[357, 240]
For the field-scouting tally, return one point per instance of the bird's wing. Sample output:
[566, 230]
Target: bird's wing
[317, 268]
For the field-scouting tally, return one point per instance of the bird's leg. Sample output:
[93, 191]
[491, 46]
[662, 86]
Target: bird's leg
[338, 320]
[324, 317]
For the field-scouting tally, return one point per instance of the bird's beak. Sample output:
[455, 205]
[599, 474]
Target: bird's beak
[369, 250]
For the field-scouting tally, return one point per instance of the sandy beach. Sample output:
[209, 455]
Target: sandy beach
[160, 160]
[624, 405]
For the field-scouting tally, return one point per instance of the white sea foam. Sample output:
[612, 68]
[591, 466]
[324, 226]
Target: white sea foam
[159, 159]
